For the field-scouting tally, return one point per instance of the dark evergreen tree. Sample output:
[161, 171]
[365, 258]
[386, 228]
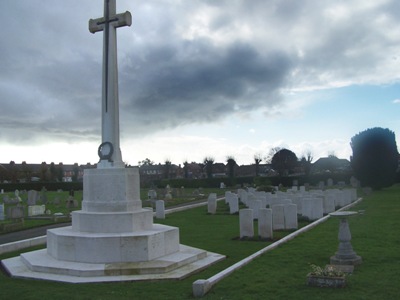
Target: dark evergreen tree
[231, 166]
[284, 162]
[375, 157]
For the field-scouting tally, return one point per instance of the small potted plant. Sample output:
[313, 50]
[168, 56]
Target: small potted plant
[326, 277]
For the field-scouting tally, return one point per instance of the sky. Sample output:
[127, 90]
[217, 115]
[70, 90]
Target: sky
[199, 78]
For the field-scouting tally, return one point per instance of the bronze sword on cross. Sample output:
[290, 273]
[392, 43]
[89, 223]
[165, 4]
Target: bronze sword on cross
[110, 111]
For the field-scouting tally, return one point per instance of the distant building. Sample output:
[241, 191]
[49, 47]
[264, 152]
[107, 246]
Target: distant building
[330, 164]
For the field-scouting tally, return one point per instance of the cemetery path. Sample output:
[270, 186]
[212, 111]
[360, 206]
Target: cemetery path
[28, 233]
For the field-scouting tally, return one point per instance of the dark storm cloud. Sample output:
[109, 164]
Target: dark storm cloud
[207, 86]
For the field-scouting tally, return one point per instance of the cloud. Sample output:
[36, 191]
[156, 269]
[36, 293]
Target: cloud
[396, 101]
[183, 62]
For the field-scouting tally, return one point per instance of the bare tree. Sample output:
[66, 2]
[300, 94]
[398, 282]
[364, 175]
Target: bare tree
[257, 160]
[208, 162]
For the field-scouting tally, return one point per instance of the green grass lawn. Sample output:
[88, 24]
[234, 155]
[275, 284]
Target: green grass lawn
[278, 274]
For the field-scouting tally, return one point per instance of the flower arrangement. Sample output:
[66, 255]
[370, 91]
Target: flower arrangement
[326, 277]
[328, 271]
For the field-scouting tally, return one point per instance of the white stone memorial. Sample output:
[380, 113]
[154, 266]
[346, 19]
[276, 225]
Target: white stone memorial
[278, 217]
[233, 204]
[112, 238]
[212, 203]
[246, 223]
[312, 208]
[36, 210]
[265, 230]
[160, 209]
[290, 211]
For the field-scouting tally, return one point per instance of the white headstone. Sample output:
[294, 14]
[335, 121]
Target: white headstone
[329, 204]
[265, 223]
[243, 196]
[290, 211]
[152, 194]
[32, 197]
[212, 203]
[312, 208]
[278, 217]
[246, 223]
[160, 209]
[36, 210]
[233, 204]
[228, 196]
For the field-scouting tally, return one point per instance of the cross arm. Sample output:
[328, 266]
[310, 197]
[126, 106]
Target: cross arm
[119, 20]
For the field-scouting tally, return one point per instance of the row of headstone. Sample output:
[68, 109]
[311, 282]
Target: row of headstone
[265, 223]
[285, 206]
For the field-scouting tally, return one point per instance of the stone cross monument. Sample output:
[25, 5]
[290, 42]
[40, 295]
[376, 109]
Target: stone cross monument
[113, 238]
[109, 150]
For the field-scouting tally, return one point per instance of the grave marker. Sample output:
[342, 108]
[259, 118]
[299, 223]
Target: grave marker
[278, 217]
[212, 203]
[265, 230]
[160, 209]
[246, 223]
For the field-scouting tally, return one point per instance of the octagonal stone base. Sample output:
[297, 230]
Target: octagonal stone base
[40, 265]
[68, 245]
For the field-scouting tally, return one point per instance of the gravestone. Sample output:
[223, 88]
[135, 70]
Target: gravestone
[56, 201]
[36, 210]
[329, 182]
[160, 209]
[17, 197]
[152, 194]
[246, 223]
[228, 196]
[312, 208]
[212, 203]
[233, 204]
[6, 199]
[329, 203]
[242, 196]
[15, 212]
[32, 197]
[290, 211]
[2, 191]
[278, 217]
[1, 212]
[265, 230]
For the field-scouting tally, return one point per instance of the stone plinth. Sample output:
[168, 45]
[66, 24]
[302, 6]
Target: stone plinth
[119, 244]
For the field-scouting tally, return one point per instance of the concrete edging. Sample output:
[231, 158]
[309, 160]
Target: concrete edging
[15, 246]
[202, 286]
